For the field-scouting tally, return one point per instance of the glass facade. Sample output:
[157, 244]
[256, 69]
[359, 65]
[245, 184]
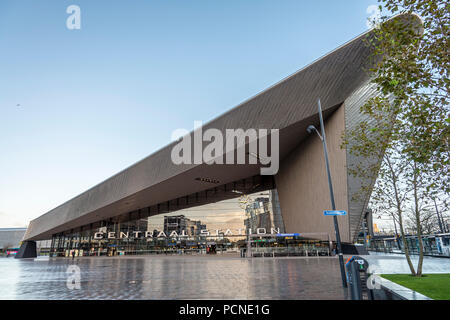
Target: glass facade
[223, 227]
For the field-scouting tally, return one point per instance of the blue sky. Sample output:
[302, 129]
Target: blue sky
[96, 100]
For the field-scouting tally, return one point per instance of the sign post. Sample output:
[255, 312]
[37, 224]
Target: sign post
[333, 205]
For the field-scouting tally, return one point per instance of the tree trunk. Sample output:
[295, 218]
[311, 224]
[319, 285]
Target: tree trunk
[405, 244]
[400, 218]
[418, 223]
[396, 233]
[440, 222]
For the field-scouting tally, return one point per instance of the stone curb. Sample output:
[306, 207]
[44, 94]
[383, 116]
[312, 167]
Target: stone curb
[400, 291]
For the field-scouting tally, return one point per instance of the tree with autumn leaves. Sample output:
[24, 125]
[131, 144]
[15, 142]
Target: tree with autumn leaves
[407, 123]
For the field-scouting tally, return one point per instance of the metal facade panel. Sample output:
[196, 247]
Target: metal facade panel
[357, 199]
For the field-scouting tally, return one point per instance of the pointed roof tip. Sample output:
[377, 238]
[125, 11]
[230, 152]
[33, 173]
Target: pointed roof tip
[409, 17]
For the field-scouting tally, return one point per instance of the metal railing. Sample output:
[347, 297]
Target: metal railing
[289, 251]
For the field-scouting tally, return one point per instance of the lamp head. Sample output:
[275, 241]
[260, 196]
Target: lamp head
[311, 129]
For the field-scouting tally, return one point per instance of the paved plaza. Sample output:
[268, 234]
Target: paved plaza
[396, 263]
[186, 277]
[173, 277]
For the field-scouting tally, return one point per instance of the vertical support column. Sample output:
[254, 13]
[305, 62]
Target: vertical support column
[52, 245]
[70, 246]
[27, 250]
[249, 246]
[90, 240]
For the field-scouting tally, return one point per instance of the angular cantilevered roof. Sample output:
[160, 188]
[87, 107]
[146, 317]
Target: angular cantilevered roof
[289, 105]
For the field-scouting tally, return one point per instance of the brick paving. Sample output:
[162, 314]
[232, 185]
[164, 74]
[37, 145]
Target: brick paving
[173, 277]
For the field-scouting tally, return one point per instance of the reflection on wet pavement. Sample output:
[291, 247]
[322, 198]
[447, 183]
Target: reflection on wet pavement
[173, 277]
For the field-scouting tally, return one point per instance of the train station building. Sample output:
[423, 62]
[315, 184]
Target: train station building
[157, 205]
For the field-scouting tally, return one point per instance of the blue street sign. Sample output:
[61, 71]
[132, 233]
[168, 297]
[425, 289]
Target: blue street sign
[335, 213]
[288, 234]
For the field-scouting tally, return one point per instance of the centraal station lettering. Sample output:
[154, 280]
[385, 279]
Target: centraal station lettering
[206, 233]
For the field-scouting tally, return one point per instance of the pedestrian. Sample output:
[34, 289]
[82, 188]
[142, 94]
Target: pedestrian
[73, 254]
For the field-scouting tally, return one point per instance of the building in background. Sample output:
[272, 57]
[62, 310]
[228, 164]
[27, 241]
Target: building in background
[258, 215]
[10, 239]
[275, 210]
[180, 223]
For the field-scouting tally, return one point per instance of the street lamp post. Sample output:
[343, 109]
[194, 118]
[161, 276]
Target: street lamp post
[322, 137]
